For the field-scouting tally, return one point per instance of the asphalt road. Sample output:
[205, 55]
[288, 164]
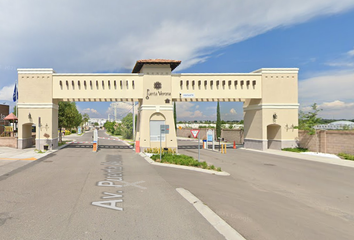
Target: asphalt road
[272, 197]
[68, 196]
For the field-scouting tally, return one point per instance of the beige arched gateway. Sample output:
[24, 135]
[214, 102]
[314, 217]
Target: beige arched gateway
[270, 97]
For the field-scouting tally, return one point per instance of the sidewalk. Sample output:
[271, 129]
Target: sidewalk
[13, 158]
[306, 157]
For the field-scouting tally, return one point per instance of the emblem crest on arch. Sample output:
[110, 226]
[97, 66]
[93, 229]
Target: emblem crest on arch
[157, 85]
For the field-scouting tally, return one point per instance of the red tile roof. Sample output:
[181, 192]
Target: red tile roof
[140, 63]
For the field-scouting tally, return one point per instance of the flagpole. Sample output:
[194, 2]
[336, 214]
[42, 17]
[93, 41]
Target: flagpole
[15, 98]
[16, 112]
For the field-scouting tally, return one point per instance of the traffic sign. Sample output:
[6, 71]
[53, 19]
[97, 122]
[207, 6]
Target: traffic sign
[165, 129]
[180, 127]
[210, 135]
[195, 132]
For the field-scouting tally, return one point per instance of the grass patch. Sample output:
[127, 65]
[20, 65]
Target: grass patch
[346, 156]
[183, 160]
[297, 150]
[62, 143]
[114, 135]
[39, 151]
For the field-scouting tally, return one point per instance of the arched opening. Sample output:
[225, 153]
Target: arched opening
[156, 120]
[274, 136]
[28, 135]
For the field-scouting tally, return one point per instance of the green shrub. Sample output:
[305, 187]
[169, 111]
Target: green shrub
[62, 143]
[73, 131]
[346, 156]
[182, 160]
[298, 150]
[127, 134]
[117, 131]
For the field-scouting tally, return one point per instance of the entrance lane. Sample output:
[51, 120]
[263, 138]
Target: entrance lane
[53, 200]
[272, 197]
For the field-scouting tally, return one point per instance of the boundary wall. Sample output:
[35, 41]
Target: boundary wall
[329, 141]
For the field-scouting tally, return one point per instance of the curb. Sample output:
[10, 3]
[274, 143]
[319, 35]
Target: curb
[217, 222]
[149, 160]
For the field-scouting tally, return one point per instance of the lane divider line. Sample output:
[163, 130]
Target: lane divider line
[217, 222]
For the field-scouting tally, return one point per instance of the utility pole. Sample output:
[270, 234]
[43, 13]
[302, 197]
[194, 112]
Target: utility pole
[115, 112]
[134, 123]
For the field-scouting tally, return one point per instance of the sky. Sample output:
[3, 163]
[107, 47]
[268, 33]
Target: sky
[208, 36]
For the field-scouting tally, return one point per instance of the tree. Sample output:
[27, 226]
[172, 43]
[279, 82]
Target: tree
[127, 126]
[308, 121]
[118, 129]
[218, 121]
[15, 111]
[175, 115]
[109, 126]
[68, 116]
[85, 118]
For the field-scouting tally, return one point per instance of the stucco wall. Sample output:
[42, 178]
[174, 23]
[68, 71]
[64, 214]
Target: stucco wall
[8, 142]
[328, 141]
[186, 132]
[229, 135]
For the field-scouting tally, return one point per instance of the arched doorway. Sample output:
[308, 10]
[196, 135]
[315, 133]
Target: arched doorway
[27, 139]
[274, 136]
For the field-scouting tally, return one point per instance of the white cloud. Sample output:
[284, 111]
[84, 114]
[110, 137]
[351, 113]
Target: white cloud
[6, 93]
[341, 63]
[93, 36]
[121, 109]
[332, 91]
[91, 112]
[351, 53]
[326, 88]
[197, 114]
[185, 111]
[233, 111]
[336, 105]
[345, 61]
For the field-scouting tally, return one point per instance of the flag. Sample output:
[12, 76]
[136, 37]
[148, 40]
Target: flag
[15, 95]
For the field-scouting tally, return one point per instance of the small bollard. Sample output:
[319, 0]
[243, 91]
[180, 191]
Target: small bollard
[94, 147]
[223, 148]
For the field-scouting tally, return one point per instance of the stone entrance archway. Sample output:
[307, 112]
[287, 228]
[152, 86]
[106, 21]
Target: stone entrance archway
[265, 92]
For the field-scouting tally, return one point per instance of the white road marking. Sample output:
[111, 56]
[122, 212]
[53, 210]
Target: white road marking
[111, 204]
[133, 184]
[217, 222]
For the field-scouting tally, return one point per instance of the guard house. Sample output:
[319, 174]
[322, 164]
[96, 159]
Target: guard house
[270, 97]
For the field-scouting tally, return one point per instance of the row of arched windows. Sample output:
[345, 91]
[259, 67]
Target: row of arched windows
[96, 84]
[219, 84]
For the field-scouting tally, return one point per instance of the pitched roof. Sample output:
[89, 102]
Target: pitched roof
[11, 116]
[140, 63]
